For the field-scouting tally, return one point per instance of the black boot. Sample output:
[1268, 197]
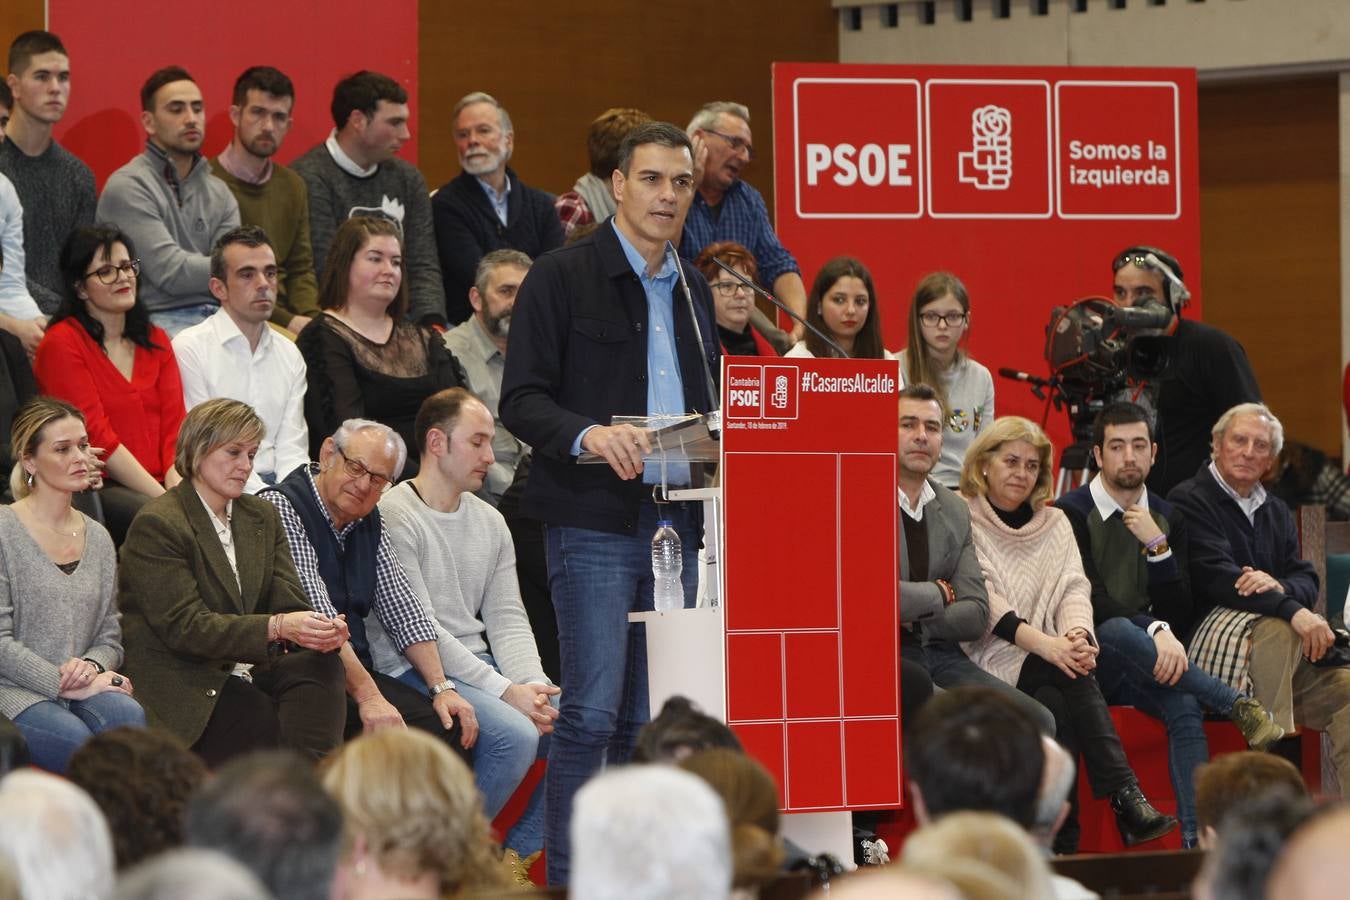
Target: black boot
[1136, 818]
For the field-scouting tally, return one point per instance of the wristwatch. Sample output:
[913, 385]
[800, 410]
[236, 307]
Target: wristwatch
[446, 685]
[1156, 626]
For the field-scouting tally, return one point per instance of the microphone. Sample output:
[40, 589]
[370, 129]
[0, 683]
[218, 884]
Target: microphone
[714, 420]
[781, 305]
[1017, 375]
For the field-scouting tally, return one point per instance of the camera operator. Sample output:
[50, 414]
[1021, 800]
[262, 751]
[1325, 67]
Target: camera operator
[1207, 372]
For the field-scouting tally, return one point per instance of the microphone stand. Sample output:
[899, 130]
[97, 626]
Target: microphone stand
[781, 305]
[714, 419]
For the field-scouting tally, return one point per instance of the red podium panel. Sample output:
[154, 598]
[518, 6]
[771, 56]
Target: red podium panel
[811, 611]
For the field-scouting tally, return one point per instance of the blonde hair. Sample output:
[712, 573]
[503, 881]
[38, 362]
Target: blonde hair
[415, 804]
[214, 424]
[1005, 430]
[25, 435]
[972, 842]
[750, 797]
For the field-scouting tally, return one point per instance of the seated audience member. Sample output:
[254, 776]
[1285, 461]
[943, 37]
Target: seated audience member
[457, 554]
[102, 353]
[349, 570]
[741, 328]
[649, 833]
[55, 188]
[1222, 783]
[13, 748]
[591, 199]
[1304, 475]
[843, 306]
[1253, 837]
[726, 208]
[942, 590]
[679, 730]
[60, 642]
[54, 837]
[141, 778]
[19, 312]
[211, 606]
[750, 798]
[1135, 553]
[169, 203]
[1314, 864]
[974, 749]
[1254, 595]
[939, 319]
[17, 387]
[235, 354]
[1041, 637]
[270, 195]
[269, 812]
[486, 207]
[357, 172]
[364, 359]
[981, 842]
[414, 824]
[479, 343]
[190, 875]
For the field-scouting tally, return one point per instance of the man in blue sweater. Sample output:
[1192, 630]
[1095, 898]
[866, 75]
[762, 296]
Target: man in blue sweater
[1251, 588]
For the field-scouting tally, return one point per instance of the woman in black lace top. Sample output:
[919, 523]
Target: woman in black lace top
[365, 359]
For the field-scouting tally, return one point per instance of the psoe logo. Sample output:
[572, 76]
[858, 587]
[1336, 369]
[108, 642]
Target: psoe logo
[762, 392]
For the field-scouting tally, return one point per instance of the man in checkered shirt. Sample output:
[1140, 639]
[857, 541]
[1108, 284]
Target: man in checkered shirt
[348, 568]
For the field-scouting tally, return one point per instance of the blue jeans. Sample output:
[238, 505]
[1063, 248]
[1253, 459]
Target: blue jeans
[508, 744]
[176, 319]
[597, 579]
[1125, 673]
[949, 668]
[54, 731]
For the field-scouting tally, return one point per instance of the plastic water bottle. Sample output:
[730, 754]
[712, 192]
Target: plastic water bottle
[667, 564]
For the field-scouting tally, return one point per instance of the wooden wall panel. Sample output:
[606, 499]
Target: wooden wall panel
[555, 66]
[16, 17]
[1270, 235]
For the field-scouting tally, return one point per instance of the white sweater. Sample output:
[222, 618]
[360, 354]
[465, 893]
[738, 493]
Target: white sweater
[463, 567]
[1034, 571]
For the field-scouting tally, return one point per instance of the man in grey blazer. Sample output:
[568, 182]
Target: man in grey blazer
[942, 592]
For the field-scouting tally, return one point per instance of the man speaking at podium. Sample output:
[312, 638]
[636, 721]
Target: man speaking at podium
[602, 327]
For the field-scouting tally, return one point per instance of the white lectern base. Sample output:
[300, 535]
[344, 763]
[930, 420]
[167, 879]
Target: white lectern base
[686, 654]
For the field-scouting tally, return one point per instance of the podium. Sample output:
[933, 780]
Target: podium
[799, 650]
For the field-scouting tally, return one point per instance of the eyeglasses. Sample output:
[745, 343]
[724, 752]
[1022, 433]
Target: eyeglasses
[729, 288]
[108, 274]
[1132, 259]
[951, 320]
[736, 144]
[358, 471]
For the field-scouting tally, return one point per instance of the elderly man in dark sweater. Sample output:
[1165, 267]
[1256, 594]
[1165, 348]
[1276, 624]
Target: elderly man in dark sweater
[486, 207]
[1252, 589]
[1135, 552]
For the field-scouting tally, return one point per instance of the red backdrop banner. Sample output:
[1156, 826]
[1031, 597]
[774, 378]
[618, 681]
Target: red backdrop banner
[812, 627]
[114, 48]
[1024, 182]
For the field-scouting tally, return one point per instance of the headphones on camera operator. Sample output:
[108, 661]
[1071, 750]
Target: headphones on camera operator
[1142, 256]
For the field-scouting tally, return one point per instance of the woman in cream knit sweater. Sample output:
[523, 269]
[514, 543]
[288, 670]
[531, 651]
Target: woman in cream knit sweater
[1040, 635]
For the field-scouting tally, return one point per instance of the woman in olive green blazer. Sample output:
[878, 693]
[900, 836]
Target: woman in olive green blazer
[228, 657]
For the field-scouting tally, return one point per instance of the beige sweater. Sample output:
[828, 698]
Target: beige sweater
[1034, 571]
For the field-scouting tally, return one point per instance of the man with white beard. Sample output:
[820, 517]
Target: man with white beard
[486, 207]
[480, 346]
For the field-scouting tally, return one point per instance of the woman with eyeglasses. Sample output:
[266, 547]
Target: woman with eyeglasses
[226, 651]
[733, 301]
[103, 355]
[939, 319]
[364, 359]
[843, 305]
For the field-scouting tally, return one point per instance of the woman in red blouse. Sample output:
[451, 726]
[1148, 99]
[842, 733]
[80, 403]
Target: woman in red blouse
[102, 354]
